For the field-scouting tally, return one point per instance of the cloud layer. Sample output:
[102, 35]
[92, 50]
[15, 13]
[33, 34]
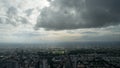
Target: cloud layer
[75, 14]
[20, 12]
[64, 20]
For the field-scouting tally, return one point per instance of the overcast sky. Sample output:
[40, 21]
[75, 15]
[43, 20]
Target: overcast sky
[36, 21]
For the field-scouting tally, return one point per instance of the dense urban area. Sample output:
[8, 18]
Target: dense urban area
[60, 58]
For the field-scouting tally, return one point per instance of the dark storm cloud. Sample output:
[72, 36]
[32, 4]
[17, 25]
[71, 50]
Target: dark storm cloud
[75, 14]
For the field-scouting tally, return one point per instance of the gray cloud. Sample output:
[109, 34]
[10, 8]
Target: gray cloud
[29, 12]
[28, 34]
[106, 37]
[12, 17]
[114, 29]
[75, 14]
[0, 20]
[11, 13]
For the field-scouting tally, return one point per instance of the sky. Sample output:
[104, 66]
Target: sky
[37, 21]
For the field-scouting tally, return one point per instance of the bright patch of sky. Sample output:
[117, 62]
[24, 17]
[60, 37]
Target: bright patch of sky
[18, 20]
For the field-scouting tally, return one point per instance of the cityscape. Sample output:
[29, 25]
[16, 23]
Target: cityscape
[59, 33]
[60, 58]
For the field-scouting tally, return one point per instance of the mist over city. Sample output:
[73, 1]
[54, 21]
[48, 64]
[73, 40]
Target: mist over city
[59, 34]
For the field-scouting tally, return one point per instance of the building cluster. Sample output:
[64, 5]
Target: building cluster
[57, 59]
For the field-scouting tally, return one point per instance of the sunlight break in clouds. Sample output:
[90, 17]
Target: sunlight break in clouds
[17, 19]
[35, 21]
